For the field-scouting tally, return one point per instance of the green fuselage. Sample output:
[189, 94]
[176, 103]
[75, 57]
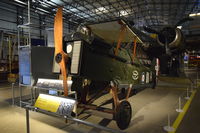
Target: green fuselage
[99, 63]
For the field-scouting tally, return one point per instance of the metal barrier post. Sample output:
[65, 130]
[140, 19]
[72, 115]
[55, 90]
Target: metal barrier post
[168, 128]
[187, 94]
[13, 94]
[179, 106]
[20, 95]
[27, 121]
[31, 95]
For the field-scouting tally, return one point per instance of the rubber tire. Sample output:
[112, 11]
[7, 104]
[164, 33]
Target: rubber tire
[123, 115]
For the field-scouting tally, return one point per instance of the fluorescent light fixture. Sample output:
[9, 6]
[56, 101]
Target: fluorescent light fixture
[100, 10]
[26, 25]
[21, 2]
[40, 9]
[179, 27]
[192, 14]
[78, 15]
[123, 13]
[74, 10]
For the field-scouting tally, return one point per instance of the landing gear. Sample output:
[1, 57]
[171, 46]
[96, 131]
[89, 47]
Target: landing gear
[122, 109]
[123, 115]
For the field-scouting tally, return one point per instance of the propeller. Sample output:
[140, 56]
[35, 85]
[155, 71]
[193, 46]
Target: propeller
[150, 30]
[167, 32]
[183, 21]
[61, 56]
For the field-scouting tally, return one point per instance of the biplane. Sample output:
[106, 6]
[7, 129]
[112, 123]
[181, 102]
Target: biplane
[103, 57]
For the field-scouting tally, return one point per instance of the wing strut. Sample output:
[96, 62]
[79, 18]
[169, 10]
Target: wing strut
[134, 49]
[121, 36]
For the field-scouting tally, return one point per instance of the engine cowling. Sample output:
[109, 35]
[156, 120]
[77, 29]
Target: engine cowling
[173, 37]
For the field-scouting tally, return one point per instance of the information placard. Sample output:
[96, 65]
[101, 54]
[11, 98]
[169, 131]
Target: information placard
[62, 106]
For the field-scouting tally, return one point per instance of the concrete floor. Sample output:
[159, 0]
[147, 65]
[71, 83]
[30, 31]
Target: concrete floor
[150, 110]
[191, 121]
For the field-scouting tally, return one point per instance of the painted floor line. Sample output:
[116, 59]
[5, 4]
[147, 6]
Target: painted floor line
[181, 115]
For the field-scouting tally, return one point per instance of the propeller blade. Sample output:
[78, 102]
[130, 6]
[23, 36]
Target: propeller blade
[183, 21]
[64, 74]
[147, 29]
[58, 30]
[60, 55]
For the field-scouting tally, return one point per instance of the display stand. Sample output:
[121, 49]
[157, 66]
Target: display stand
[68, 117]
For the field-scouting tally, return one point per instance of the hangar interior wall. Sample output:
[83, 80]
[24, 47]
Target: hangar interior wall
[11, 16]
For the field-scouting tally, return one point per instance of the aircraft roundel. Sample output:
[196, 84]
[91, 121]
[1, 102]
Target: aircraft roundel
[135, 75]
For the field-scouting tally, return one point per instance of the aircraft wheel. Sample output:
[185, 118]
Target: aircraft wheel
[123, 115]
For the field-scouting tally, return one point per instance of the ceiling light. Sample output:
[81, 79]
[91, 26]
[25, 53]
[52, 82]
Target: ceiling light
[192, 14]
[123, 13]
[40, 9]
[179, 27]
[100, 10]
[21, 2]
